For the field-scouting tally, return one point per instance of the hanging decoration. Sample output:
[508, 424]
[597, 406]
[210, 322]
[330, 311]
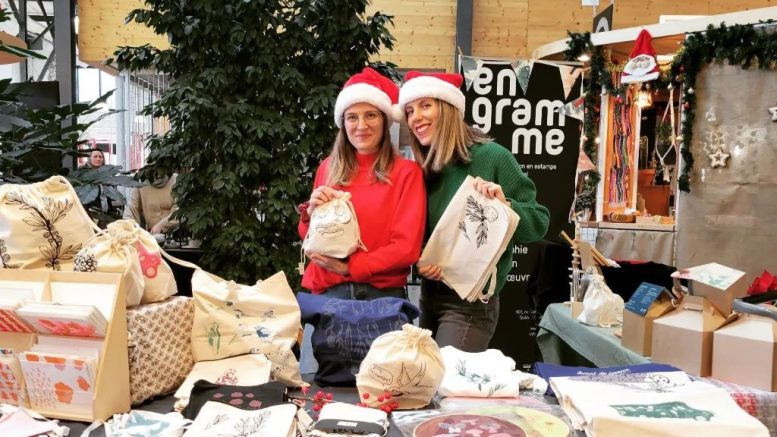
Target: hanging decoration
[642, 65]
[620, 174]
[718, 159]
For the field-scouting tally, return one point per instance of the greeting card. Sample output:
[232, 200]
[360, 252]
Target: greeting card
[59, 382]
[69, 320]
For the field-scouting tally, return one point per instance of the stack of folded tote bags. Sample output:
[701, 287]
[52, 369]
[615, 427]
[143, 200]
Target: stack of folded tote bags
[468, 241]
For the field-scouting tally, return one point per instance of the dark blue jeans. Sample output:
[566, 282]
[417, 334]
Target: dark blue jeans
[467, 326]
[363, 291]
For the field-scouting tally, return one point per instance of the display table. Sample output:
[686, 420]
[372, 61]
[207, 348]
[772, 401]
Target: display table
[563, 340]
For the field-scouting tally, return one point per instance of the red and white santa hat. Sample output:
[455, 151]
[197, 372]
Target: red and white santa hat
[371, 87]
[442, 86]
[642, 65]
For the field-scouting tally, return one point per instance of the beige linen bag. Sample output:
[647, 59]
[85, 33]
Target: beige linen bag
[468, 241]
[113, 251]
[333, 229]
[233, 319]
[158, 279]
[407, 364]
[42, 225]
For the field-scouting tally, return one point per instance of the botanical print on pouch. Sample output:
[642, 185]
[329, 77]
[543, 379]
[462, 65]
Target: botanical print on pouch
[43, 218]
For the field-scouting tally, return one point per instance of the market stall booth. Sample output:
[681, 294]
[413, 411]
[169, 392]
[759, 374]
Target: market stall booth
[647, 200]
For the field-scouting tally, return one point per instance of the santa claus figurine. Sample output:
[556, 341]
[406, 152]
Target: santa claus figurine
[642, 65]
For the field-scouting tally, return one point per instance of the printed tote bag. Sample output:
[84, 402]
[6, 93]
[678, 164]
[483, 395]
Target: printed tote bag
[42, 225]
[233, 319]
[467, 242]
[333, 229]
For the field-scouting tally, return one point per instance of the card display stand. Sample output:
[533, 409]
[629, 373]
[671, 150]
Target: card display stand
[111, 385]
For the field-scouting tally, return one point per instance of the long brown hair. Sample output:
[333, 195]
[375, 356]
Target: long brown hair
[343, 165]
[450, 143]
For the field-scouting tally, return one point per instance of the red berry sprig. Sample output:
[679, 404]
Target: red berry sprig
[319, 399]
[385, 402]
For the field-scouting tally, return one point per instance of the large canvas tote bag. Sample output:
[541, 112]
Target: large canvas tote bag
[333, 229]
[467, 242]
[407, 364]
[113, 251]
[42, 225]
[233, 319]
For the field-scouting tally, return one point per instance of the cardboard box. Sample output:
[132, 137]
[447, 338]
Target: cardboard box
[649, 302]
[683, 338]
[745, 352]
[715, 282]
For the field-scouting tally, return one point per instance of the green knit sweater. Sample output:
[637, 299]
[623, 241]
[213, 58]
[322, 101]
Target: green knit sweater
[493, 163]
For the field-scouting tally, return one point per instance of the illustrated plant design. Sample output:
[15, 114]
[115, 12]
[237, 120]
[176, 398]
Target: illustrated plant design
[6, 259]
[474, 378]
[463, 229]
[43, 219]
[214, 336]
[482, 215]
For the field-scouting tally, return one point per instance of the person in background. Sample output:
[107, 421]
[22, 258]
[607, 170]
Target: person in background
[387, 193]
[96, 159]
[449, 150]
[151, 206]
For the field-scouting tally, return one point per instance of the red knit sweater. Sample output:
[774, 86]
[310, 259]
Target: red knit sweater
[391, 220]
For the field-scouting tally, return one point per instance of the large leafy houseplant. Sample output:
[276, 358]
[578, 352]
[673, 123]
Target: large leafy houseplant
[253, 84]
[36, 144]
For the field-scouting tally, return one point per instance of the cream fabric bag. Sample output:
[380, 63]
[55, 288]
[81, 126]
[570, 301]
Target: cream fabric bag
[333, 229]
[217, 419]
[468, 241]
[158, 280]
[42, 225]
[601, 307]
[407, 364]
[113, 251]
[233, 319]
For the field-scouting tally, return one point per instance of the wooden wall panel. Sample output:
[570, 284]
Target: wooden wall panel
[425, 30]
[723, 6]
[499, 28]
[102, 29]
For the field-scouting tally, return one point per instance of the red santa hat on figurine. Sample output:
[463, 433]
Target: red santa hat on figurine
[442, 86]
[642, 65]
[371, 87]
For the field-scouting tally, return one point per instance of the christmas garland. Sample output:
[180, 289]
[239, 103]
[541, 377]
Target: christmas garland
[599, 78]
[743, 45]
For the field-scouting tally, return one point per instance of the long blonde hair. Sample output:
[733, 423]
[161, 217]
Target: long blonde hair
[450, 143]
[343, 165]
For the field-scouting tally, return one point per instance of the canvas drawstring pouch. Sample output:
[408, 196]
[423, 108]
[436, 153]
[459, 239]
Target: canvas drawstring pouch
[406, 364]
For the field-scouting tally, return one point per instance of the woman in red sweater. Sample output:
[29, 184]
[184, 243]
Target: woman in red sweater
[387, 192]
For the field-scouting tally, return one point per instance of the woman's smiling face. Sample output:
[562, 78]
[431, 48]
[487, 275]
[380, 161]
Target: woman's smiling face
[423, 116]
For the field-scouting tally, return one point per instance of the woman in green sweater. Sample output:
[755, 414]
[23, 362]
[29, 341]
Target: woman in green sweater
[449, 150]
